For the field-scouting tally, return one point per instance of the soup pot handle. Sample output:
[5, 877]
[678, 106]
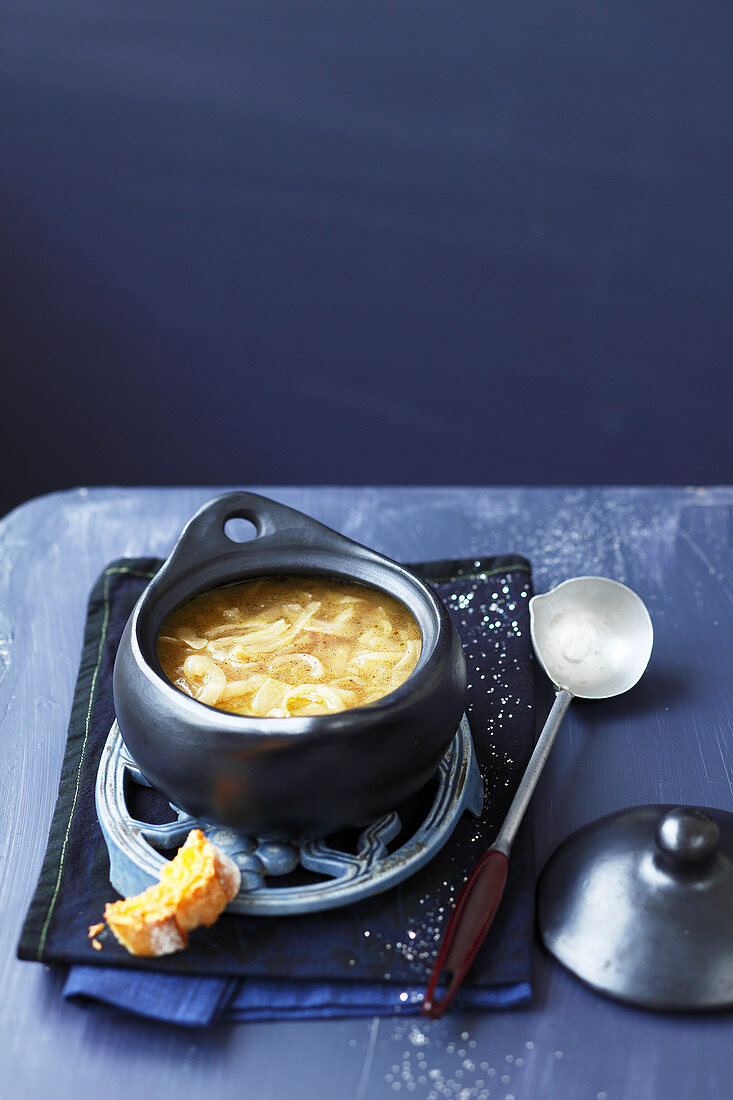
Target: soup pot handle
[205, 533]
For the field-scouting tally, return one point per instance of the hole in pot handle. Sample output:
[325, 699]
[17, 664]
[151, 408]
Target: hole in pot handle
[239, 530]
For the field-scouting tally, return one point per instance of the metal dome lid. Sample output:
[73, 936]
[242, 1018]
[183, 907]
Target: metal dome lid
[639, 905]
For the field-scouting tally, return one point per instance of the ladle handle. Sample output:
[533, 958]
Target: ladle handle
[533, 771]
[479, 899]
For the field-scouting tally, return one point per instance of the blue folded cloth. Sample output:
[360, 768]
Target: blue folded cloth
[317, 965]
[198, 1002]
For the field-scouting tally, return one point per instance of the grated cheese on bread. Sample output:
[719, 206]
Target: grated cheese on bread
[194, 889]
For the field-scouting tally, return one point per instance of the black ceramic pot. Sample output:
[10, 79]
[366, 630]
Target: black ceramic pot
[284, 777]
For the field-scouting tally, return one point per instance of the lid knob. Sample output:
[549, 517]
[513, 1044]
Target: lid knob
[687, 836]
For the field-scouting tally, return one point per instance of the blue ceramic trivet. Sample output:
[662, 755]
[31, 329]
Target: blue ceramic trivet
[135, 846]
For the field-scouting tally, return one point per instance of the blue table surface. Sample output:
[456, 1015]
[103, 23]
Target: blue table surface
[668, 740]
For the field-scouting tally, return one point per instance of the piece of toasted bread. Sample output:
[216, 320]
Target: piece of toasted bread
[194, 889]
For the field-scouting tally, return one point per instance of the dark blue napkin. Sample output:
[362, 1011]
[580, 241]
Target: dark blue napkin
[373, 957]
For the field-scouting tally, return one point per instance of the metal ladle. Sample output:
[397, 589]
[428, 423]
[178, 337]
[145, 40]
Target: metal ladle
[593, 637]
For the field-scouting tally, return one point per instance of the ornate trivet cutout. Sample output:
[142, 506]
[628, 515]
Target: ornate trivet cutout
[273, 872]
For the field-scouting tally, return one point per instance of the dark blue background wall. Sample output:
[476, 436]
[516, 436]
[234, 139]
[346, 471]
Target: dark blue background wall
[377, 241]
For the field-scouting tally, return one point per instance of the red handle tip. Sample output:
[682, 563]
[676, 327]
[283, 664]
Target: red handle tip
[471, 919]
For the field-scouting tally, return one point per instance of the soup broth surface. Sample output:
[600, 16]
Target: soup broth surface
[288, 647]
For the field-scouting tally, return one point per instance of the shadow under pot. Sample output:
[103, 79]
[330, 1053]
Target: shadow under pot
[284, 777]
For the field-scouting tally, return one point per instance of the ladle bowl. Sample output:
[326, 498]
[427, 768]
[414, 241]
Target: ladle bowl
[593, 636]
